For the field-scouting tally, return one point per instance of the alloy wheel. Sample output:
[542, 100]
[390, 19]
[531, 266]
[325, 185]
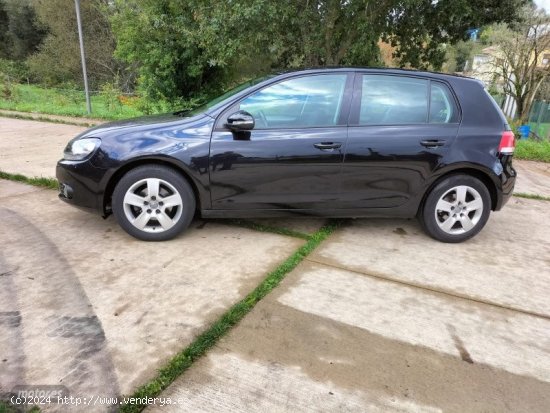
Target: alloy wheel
[459, 210]
[153, 205]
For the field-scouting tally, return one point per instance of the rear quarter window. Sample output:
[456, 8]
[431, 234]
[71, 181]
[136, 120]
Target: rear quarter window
[443, 108]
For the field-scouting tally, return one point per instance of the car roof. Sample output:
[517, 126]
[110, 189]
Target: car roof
[366, 69]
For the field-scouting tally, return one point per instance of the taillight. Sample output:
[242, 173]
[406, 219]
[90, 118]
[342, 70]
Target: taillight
[507, 143]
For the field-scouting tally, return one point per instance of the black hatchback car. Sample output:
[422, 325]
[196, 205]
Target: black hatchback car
[346, 142]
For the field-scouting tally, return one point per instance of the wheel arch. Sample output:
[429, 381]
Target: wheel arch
[127, 167]
[478, 173]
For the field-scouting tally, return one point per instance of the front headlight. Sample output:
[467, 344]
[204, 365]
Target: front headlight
[79, 149]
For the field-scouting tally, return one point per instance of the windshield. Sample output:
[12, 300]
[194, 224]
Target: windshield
[226, 95]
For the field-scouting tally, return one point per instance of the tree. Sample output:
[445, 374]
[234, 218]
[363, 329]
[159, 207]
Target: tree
[459, 55]
[20, 33]
[418, 28]
[523, 58]
[5, 46]
[183, 47]
[58, 57]
[161, 38]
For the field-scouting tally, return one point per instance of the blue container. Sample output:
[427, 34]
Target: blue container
[524, 131]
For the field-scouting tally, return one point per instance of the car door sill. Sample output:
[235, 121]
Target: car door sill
[403, 212]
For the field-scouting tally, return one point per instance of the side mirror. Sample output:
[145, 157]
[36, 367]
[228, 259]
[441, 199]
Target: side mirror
[240, 121]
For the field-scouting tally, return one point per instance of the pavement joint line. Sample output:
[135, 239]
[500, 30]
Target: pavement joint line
[433, 290]
[209, 338]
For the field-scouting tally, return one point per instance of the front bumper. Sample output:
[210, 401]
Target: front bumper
[80, 185]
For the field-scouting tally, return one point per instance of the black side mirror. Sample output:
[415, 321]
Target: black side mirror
[240, 121]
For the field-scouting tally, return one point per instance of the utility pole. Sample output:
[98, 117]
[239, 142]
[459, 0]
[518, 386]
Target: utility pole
[83, 56]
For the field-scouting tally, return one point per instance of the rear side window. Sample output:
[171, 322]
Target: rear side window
[393, 100]
[400, 100]
[442, 104]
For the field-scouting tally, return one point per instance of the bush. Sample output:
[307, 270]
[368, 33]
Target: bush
[8, 89]
[111, 95]
[16, 72]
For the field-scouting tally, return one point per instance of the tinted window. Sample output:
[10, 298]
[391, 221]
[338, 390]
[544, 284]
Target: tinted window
[442, 105]
[393, 100]
[300, 102]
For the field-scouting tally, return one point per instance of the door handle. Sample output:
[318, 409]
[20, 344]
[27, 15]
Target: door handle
[432, 143]
[327, 145]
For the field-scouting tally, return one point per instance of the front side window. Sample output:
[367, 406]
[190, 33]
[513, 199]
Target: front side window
[393, 100]
[309, 101]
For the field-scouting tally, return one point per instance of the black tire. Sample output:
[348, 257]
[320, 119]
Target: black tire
[433, 218]
[171, 182]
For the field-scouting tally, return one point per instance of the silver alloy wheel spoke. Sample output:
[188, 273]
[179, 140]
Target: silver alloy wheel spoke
[164, 220]
[153, 187]
[448, 224]
[142, 220]
[171, 201]
[133, 199]
[466, 223]
[461, 193]
[443, 205]
[475, 204]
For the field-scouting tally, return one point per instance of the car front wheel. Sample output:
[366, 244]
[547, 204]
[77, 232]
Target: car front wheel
[456, 209]
[153, 203]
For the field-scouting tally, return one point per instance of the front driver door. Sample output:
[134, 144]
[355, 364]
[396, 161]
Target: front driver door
[293, 157]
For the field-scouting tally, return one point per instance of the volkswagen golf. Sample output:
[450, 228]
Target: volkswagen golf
[343, 142]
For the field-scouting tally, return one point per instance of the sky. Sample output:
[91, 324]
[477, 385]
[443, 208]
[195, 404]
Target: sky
[544, 4]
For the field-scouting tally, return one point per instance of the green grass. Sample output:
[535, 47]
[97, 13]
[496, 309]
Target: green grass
[532, 150]
[6, 408]
[42, 182]
[183, 360]
[31, 98]
[531, 196]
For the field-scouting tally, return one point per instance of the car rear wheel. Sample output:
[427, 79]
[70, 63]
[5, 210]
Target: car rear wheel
[153, 203]
[456, 209]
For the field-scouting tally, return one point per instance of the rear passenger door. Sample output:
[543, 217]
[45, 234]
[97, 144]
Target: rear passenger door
[400, 129]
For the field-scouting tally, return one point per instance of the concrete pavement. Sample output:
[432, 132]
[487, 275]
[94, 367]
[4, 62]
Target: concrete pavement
[33, 148]
[332, 340]
[533, 177]
[506, 264]
[85, 305]
[382, 318]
